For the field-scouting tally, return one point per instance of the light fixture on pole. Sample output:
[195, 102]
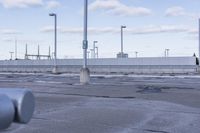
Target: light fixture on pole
[122, 41]
[85, 73]
[55, 42]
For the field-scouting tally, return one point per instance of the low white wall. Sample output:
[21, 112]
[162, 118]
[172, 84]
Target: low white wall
[109, 61]
[130, 65]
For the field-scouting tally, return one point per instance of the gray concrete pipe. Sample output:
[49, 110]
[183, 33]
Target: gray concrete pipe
[7, 112]
[24, 103]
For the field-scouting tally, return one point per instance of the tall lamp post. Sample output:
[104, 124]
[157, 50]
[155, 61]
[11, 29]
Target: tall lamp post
[167, 52]
[97, 48]
[11, 55]
[55, 42]
[122, 41]
[136, 54]
[94, 51]
[199, 41]
[85, 72]
[16, 49]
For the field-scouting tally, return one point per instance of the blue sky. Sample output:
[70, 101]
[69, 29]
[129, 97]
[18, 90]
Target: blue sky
[152, 26]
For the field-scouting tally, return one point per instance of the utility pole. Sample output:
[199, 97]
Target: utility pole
[85, 72]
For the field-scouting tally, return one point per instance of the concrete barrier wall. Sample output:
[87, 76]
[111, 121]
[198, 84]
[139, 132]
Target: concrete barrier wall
[112, 61]
[130, 65]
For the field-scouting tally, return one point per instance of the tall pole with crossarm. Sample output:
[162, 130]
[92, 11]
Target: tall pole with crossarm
[85, 73]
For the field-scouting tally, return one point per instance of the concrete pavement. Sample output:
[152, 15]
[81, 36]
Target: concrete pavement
[110, 104]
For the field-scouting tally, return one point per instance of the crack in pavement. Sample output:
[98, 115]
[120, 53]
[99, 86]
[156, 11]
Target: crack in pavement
[82, 95]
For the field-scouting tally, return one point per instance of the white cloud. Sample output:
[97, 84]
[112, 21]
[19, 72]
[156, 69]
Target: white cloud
[179, 11]
[117, 8]
[7, 40]
[9, 31]
[193, 31]
[48, 29]
[175, 11]
[20, 3]
[154, 29]
[104, 4]
[78, 30]
[159, 29]
[92, 30]
[52, 4]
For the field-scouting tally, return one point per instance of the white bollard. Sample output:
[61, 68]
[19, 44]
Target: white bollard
[24, 103]
[7, 112]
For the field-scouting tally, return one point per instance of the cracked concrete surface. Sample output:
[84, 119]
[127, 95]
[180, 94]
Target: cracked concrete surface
[110, 104]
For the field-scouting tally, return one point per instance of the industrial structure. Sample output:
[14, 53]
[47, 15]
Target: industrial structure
[37, 56]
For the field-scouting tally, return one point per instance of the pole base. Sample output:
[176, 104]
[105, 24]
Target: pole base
[85, 76]
[55, 70]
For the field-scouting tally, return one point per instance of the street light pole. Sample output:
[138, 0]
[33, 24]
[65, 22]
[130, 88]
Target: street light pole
[94, 51]
[85, 41]
[167, 52]
[85, 73]
[16, 49]
[11, 53]
[97, 52]
[55, 41]
[136, 54]
[122, 41]
[199, 41]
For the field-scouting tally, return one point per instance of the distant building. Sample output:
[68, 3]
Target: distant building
[122, 55]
